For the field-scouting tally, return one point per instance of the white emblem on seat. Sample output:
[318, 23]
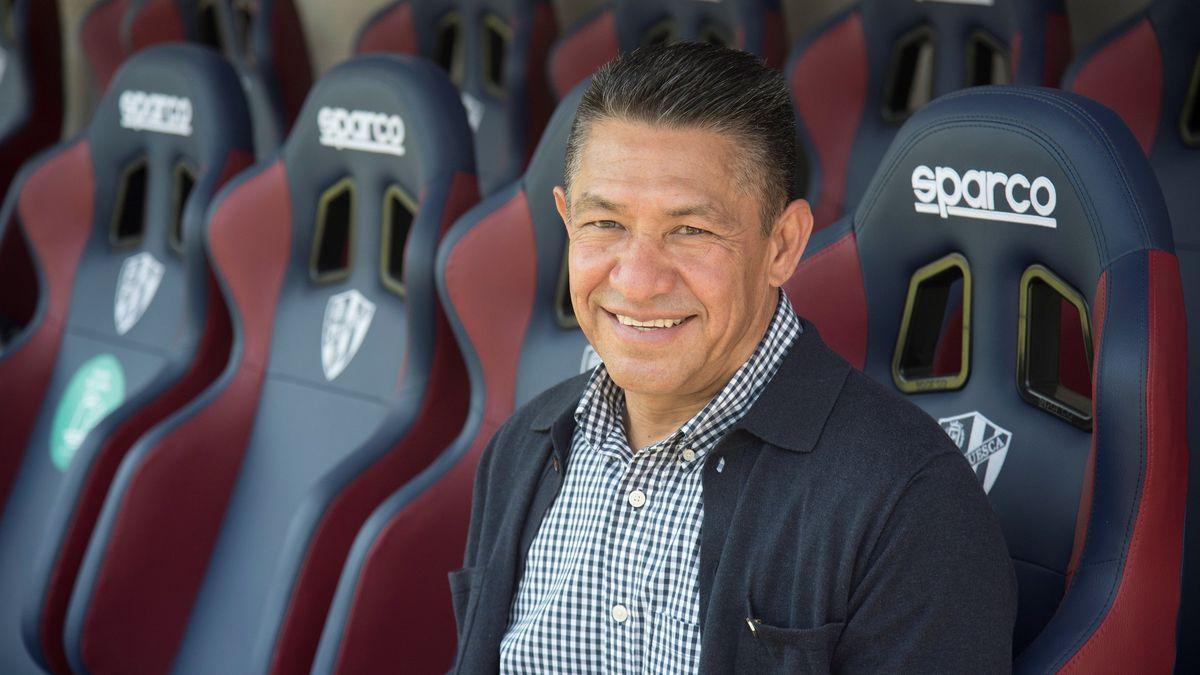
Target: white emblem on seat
[474, 110]
[984, 444]
[136, 285]
[590, 359]
[347, 318]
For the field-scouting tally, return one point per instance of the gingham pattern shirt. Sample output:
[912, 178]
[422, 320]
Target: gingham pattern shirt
[611, 580]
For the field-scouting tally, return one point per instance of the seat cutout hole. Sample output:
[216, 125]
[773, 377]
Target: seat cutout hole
[933, 348]
[987, 61]
[129, 216]
[399, 210]
[1054, 357]
[497, 38]
[1189, 120]
[185, 180]
[448, 47]
[209, 26]
[715, 34]
[659, 34]
[563, 309]
[332, 244]
[244, 14]
[910, 80]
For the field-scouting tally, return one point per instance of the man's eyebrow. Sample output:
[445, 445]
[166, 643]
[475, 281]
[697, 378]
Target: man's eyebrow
[699, 210]
[589, 200]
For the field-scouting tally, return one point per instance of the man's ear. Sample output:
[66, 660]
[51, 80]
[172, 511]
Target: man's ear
[560, 200]
[789, 238]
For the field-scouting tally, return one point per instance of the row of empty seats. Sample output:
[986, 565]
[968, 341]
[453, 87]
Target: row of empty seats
[242, 404]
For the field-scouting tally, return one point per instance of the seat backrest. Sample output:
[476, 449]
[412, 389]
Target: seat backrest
[859, 75]
[518, 338]
[495, 52]
[31, 84]
[1011, 268]
[325, 259]
[755, 26]
[1148, 71]
[122, 330]
[113, 30]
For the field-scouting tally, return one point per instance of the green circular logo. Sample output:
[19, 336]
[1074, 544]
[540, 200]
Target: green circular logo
[94, 390]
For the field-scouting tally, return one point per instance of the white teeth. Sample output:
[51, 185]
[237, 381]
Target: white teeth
[653, 323]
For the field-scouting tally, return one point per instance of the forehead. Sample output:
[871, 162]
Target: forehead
[622, 159]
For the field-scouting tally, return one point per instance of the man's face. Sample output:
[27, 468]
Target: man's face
[672, 276]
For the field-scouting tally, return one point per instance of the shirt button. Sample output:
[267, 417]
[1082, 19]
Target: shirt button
[637, 499]
[620, 613]
[689, 455]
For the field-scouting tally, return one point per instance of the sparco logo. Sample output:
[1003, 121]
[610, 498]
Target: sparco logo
[361, 130]
[984, 195]
[160, 113]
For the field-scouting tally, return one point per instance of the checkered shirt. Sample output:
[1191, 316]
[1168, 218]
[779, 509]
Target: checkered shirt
[611, 579]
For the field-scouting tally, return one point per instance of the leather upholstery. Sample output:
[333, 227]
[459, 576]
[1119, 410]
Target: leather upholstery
[142, 308]
[516, 345]
[1147, 70]
[1093, 517]
[496, 58]
[219, 544]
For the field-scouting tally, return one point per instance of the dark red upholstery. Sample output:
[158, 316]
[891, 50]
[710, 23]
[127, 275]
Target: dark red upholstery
[178, 494]
[109, 34]
[55, 230]
[1146, 71]
[842, 316]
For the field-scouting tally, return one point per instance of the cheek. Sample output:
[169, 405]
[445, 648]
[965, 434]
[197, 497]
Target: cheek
[587, 267]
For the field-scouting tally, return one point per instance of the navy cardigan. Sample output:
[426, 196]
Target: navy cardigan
[844, 533]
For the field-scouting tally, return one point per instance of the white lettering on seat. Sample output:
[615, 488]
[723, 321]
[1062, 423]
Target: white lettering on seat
[159, 113]
[361, 130]
[944, 192]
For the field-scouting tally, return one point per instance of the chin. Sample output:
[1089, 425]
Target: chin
[654, 378]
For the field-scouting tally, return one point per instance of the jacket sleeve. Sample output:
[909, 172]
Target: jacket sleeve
[478, 499]
[938, 591]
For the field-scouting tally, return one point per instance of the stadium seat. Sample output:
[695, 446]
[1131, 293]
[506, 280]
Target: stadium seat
[1012, 241]
[495, 52]
[859, 75]
[31, 86]
[263, 38]
[114, 30]
[755, 26]
[392, 611]
[220, 542]
[1147, 70]
[125, 329]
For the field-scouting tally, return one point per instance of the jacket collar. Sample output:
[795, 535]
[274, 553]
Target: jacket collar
[790, 413]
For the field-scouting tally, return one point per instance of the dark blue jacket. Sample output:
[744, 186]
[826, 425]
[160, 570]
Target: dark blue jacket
[845, 526]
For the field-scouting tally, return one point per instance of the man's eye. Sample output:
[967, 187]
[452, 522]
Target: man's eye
[605, 224]
[689, 230]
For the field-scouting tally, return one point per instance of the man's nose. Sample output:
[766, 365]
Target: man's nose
[642, 270]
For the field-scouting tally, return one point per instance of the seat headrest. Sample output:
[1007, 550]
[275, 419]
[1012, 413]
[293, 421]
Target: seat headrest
[545, 170]
[743, 24]
[171, 101]
[358, 118]
[1013, 175]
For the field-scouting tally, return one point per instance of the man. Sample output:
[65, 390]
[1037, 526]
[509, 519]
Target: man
[723, 493]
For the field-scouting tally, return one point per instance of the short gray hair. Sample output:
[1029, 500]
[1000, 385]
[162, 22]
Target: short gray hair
[698, 85]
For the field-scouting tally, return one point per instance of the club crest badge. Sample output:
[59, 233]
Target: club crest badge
[590, 359]
[982, 442]
[137, 284]
[347, 318]
[474, 111]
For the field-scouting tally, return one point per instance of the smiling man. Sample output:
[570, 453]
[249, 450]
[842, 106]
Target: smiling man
[723, 493]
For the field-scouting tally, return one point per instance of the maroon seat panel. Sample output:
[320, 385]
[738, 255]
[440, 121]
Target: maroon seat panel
[180, 490]
[438, 422]
[409, 566]
[55, 230]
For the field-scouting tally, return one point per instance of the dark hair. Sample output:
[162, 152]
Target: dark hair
[694, 84]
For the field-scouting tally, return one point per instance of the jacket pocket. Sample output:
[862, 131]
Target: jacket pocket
[462, 582]
[775, 649]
